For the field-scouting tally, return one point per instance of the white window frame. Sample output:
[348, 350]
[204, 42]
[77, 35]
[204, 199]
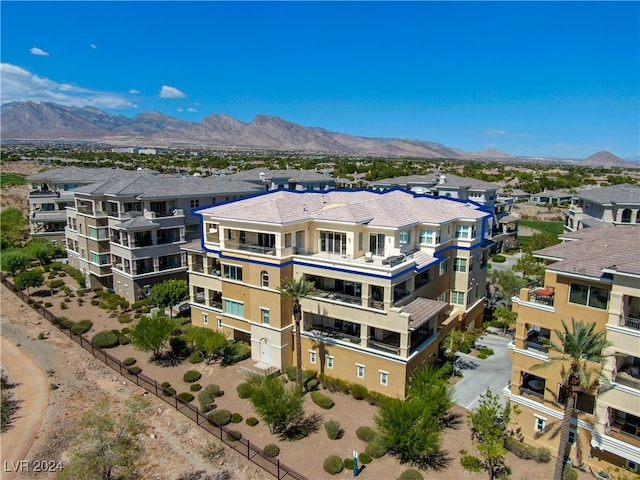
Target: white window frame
[360, 370]
[540, 423]
[225, 304]
[330, 361]
[429, 236]
[404, 237]
[573, 437]
[265, 313]
[455, 297]
[230, 272]
[460, 264]
[313, 356]
[219, 319]
[631, 465]
[264, 278]
[444, 266]
[205, 318]
[384, 377]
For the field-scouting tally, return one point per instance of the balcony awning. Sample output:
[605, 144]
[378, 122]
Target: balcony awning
[137, 223]
[422, 310]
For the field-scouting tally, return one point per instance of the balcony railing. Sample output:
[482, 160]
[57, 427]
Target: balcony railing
[630, 322]
[538, 396]
[338, 297]
[542, 296]
[387, 347]
[214, 303]
[624, 378]
[377, 304]
[334, 333]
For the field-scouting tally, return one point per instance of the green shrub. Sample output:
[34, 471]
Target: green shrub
[195, 357]
[292, 373]
[498, 258]
[125, 331]
[569, 473]
[364, 458]
[63, 306]
[129, 361]
[124, 318]
[106, 339]
[134, 370]
[359, 392]
[235, 352]
[366, 434]
[220, 416]
[244, 390]
[195, 387]
[333, 465]
[251, 421]
[140, 303]
[191, 376]
[376, 448]
[83, 326]
[234, 436]
[236, 418]
[526, 452]
[207, 396]
[332, 427]
[485, 352]
[271, 450]
[57, 283]
[166, 384]
[348, 463]
[185, 397]
[411, 474]
[123, 339]
[48, 304]
[168, 391]
[322, 400]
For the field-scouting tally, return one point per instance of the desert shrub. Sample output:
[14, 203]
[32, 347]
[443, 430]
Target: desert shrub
[195, 387]
[122, 338]
[66, 300]
[332, 427]
[124, 318]
[129, 361]
[42, 336]
[376, 448]
[271, 450]
[220, 416]
[141, 303]
[364, 458]
[166, 384]
[251, 421]
[168, 391]
[366, 434]
[526, 452]
[195, 357]
[569, 473]
[411, 474]
[185, 397]
[48, 304]
[322, 400]
[348, 463]
[333, 464]
[236, 418]
[235, 352]
[207, 396]
[359, 392]
[498, 258]
[234, 436]
[95, 303]
[57, 283]
[291, 372]
[83, 326]
[106, 339]
[485, 352]
[191, 376]
[244, 390]
[134, 370]
[125, 330]
[63, 306]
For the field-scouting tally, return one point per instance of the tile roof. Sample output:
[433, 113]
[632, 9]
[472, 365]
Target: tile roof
[423, 309]
[591, 250]
[291, 175]
[625, 193]
[389, 209]
[432, 179]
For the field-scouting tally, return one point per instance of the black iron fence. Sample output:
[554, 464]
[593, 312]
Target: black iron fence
[244, 446]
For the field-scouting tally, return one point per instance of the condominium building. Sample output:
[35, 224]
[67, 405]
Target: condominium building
[125, 232]
[394, 272]
[617, 204]
[288, 179]
[594, 276]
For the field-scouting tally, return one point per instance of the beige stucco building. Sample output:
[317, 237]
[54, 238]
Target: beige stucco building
[394, 272]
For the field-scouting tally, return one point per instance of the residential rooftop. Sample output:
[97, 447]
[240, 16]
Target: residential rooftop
[615, 194]
[290, 174]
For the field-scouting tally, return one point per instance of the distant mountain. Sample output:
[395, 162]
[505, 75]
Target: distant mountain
[605, 159]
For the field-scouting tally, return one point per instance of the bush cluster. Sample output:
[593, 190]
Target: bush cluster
[322, 400]
[234, 436]
[271, 450]
[498, 258]
[57, 283]
[195, 387]
[332, 427]
[129, 361]
[220, 417]
[376, 448]
[333, 464]
[195, 357]
[106, 339]
[526, 452]
[191, 376]
[364, 458]
[366, 434]
[134, 370]
[185, 397]
[207, 396]
[358, 391]
[83, 326]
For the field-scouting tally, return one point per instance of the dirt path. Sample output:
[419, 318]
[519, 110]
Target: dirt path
[32, 393]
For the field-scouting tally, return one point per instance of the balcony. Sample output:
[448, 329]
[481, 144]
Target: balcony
[338, 297]
[391, 346]
[625, 427]
[535, 340]
[533, 387]
[630, 322]
[334, 333]
[542, 296]
[376, 304]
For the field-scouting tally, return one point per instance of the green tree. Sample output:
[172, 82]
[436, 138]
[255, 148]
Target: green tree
[14, 227]
[542, 240]
[504, 317]
[14, 262]
[278, 406]
[152, 333]
[501, 286]
[530, 267]
[489, 422]
[169, 293]
[206, 341]
[45, 252]
[295, 290]
[580, 357]
[459, 340]
[107, 446]
[28, 278]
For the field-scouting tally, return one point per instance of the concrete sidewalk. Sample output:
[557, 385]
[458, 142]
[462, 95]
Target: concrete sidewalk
[478, 375]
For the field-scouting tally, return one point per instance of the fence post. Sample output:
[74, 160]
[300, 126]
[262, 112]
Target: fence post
[278, 468]
[120, 366]
[156, 385]
[248, 450]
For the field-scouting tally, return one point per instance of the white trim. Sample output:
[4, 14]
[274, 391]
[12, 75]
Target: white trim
[333, 360]
[386, 374]
[358, 367]
[313, 356]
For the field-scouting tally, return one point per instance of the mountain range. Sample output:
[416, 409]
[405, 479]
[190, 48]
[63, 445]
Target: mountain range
[54, 122]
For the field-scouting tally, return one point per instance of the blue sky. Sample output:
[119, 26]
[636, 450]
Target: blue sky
[531, 78]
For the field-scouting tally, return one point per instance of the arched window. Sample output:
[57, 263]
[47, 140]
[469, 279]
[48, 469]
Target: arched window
[264, 278]
[626, 216]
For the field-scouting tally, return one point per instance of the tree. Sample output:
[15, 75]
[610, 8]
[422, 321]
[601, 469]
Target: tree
[530, 267]
[14, 262]
[169, 293]
[458, 340]
[28, 278]
[278, 406]
[580, 356]
[45, 252]
[152, 333]
[504, 317]
[501, 286]
[107, 446]
[15, 227]
[206, 341]
[295, 290]
[488, 422]
[542, 240]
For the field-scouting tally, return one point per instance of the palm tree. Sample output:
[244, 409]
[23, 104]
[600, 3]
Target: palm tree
[582, 348]
[296, 290]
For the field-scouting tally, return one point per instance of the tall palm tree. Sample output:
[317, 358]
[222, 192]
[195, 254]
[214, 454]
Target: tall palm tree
[580, 350]
[296, 290]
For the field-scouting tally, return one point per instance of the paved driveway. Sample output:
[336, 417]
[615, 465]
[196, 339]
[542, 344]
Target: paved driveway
[508, 263]
[493, 372]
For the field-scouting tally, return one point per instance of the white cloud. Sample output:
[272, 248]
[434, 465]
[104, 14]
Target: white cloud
[39, 52]
[191, 110]
[492, 131]
[180, 109]
[133, 91]
[171, 92]
[20, 85]
[92, 45]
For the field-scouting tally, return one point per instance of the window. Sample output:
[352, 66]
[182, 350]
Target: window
[312, 356]
[99, 258]
[457, 298]
[233, 272]
[360, 241]
[442, 297]
[460, 264]
[589, 296]
[205, 318]
[541, 423]
[360, 370]
[631, 465]
[264, 314]
[98, 233]
[429, 236]
[444, 266]
[384, 378]
[264, 278]
[330, 361]
[231, 307]
[376, 244]
[572, 437]
[219, 319]
[333, 242]
[195, 203]
[466, 232]
[126, 289]
[405, 237]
